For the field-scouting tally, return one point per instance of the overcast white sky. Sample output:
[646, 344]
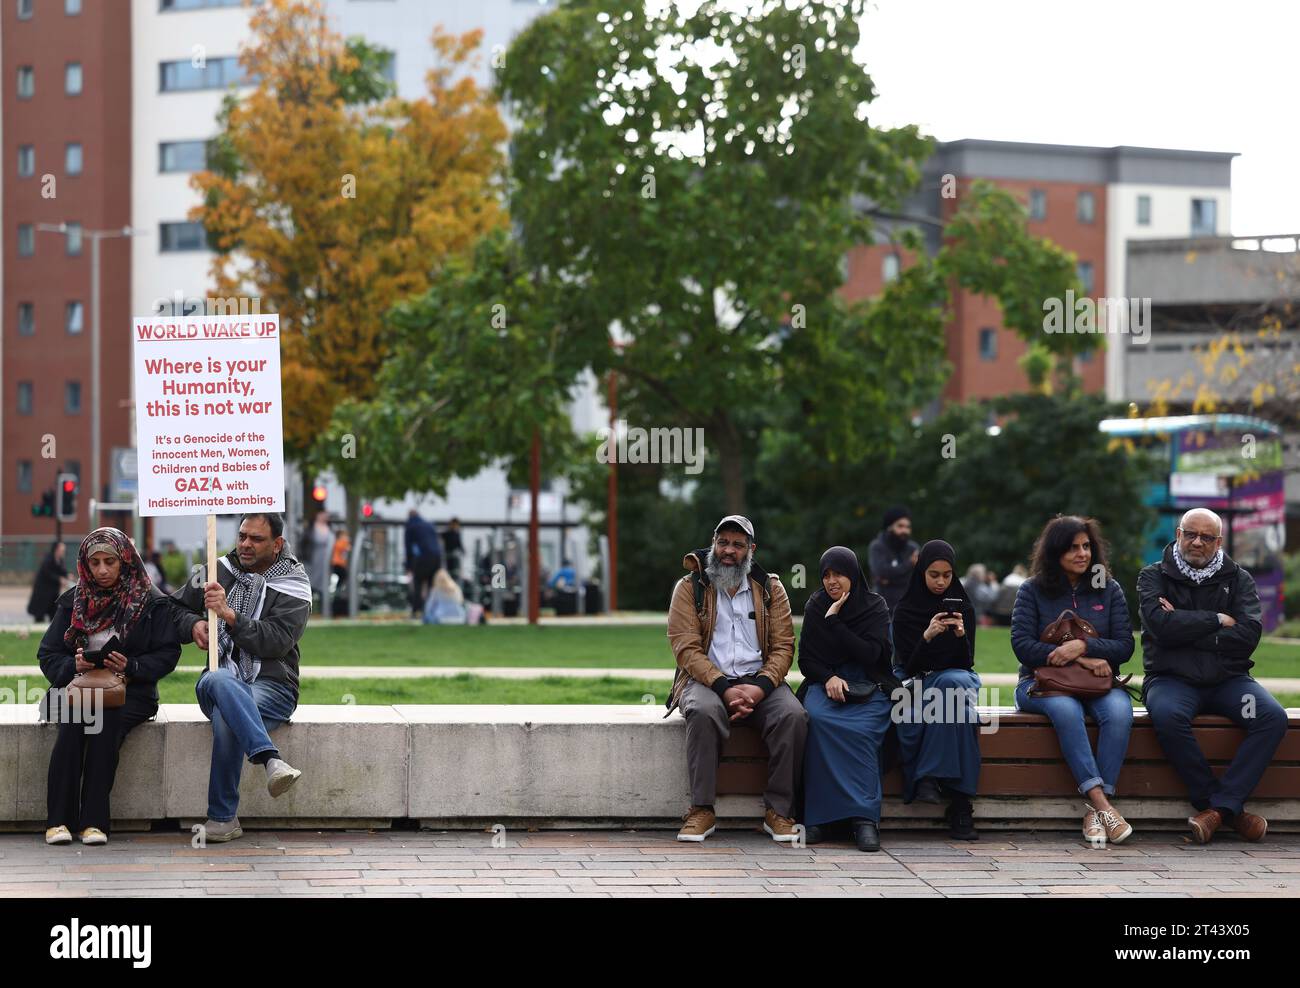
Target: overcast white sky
[1187, 74]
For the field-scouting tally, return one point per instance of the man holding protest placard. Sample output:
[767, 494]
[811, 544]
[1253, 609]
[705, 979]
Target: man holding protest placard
[210, 441]
[262, 600]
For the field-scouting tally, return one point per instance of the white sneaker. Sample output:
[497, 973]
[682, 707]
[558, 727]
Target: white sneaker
[58, 835]
[280, 775]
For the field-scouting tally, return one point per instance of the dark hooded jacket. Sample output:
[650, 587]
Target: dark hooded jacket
[1188, 641]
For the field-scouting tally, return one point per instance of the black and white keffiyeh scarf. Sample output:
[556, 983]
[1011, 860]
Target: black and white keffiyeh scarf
[247, 595]
[1198, 576]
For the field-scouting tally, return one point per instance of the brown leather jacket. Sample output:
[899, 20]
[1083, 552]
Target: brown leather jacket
[690, 633]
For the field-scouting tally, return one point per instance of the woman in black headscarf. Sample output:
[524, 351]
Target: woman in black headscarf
[938, 726]
[844, 656]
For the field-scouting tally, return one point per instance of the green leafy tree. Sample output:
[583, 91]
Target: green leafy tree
[693, 180]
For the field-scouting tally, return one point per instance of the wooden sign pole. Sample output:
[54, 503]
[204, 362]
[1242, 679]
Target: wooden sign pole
[212, 575]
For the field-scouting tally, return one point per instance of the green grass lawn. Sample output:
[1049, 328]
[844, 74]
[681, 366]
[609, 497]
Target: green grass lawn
[644, 647]
[464, 688]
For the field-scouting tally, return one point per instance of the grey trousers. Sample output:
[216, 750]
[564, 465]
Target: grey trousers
[779, 718]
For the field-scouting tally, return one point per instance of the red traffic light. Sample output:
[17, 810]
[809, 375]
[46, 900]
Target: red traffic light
[69, 486]
[367, 510]
[318, 493]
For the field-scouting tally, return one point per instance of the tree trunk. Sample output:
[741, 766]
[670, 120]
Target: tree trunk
[731, 461]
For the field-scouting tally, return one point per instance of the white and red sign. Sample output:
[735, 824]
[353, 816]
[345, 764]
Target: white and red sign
[208, 426]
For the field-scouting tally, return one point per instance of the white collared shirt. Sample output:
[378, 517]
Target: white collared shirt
[734, 648]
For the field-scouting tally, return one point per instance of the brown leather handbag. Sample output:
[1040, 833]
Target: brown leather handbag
[1071, 679]
[113, 684]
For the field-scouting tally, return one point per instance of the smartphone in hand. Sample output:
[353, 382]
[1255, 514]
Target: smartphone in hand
[96, 656]
[953, 605]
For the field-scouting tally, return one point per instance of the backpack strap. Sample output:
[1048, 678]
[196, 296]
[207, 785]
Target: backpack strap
[698, 586]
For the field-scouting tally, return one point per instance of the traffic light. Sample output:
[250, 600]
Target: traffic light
[46, 508]
[67, 488]
[367, 510]
[318, 497]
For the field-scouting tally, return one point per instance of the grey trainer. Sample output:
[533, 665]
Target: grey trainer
[220, 831]
[280, 775]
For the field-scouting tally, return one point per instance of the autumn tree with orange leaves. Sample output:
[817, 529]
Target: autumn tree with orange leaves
[329, 199]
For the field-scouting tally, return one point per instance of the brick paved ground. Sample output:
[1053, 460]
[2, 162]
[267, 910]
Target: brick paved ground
[623, 863]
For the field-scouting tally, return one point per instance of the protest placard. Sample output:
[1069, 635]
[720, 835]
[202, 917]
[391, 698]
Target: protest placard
[209, 431]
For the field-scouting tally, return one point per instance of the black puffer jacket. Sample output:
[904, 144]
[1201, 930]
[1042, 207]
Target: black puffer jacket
[1188, 641]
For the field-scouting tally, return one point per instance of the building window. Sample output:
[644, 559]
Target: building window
[1203, 224]
[72, 397]
[26, 240]
[72, 79]
[1084, 271]
[389, 68]
[74, 318]
[24, 10]
[1087, 207]
[26, 160]
[72, 7]
[988, 344]
[183, 156]
[218, 73]
[26, 319]
[1037, 204]
[26, 82]
[181, 236]
[889, 268]
[74, 240]
[24, 397]
[24, 476]
[72, 159]
[1144, 210]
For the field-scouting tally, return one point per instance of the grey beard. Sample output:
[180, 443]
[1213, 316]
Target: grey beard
[724, 577]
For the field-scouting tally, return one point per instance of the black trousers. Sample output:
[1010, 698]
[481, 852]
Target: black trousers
[421, 583]
[84, 765]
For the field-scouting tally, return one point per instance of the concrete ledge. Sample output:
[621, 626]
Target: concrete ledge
[458, 766]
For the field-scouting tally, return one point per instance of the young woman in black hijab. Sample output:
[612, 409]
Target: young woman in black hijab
[938, 728]
[844, 656]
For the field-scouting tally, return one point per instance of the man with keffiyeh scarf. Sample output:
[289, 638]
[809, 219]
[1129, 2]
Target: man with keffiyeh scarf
[1200, 626]
[262, 599]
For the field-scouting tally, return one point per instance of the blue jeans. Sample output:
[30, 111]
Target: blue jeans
[242, 714]
[1113, 714]
[1173, 702]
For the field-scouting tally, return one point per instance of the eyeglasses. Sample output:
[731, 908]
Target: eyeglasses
[1193, 537]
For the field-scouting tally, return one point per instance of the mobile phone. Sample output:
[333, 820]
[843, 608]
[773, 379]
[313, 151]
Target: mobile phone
[953, 604]
[96, 656]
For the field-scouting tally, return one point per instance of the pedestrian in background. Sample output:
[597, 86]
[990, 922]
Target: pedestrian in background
[48, 584]
[892, 555]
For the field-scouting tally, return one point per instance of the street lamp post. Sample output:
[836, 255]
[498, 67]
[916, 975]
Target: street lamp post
[95, 237]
